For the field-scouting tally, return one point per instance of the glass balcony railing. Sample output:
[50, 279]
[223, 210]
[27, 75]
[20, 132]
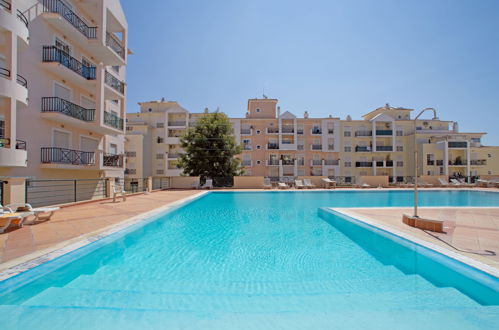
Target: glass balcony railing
[362, 149]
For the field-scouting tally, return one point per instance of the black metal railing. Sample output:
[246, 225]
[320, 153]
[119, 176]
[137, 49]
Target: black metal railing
[5, 4]
[134, 185]
[288, 162]
[389, 163]
[115, 45]
[384, 148]
[5, 72]
[54, 192]
[110, 119]
[430, 162]
[299, 131]
[478, 162]
[5, 143]
[114, 83]
[23, 18]
[440, 163]
[316, 162]
[112, 160]
[54, 54]
[330, 147]
[55, 155]
[56, 104]
[59, 7]
[22, 81]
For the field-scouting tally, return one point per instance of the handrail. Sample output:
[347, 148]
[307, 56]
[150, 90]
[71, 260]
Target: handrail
[54, 54]
[114, 83]
[56, 155]
[112, 160]
[5, 4]
[59, 7]
[23, 18]
[22, 81]
[4, 72]
[5, 143]
[56, 104]
[115, 45]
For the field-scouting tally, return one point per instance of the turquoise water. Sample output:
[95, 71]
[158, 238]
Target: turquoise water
[257, 261]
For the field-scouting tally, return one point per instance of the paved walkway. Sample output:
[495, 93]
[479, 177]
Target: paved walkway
[468, 229]
[74, 221]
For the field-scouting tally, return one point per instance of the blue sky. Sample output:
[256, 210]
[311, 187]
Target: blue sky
[327, 57]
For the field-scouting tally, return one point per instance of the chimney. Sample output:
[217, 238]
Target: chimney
[278, 112]
[305, 115]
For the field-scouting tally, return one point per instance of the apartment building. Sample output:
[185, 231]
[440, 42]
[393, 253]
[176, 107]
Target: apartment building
[280, 144]
[63, 88]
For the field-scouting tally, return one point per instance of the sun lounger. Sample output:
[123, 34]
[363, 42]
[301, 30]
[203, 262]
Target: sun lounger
[299, 184]
[328, 183]
[8, 219]
[40, 213]
[365, 185]
[266, 183]
[208, 184]
[117, 190]
[443, 183]
[456, 183]
[282, 185]
[425, 184]
[308, 183]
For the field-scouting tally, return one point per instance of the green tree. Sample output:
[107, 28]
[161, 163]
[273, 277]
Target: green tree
[209, 149]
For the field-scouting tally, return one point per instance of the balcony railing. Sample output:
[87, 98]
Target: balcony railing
[246, 162]
[288, 162]
[287, 142]
[130, 171]
[173, 155]
[114, 83]
[478, 162]
[316, 146]
[330, 131]
[273, 146]
[56, 104]
[54, 155]
[440, 163]
[316, 162]
[5, 143]
[363, 164]
[5, 4]
[23, 18]
[59, 7]
[113, 43]
[112, 160]
[458, 144]
[384, 148]
[54, 54]
[22, 81]
[379, 163]
[245, 131]
[330, 147]
[363, 133]
[272, 162]
[362, 149]
[389, 163]
[288, 129]
[430, 162]
[316, 131]
[272, 130]
[110, 119]
[384, 132]
[247, 147]
[331, 162]
[299, 131]
[177, 123]
[300, 147]
[4, 72]
[460, 162]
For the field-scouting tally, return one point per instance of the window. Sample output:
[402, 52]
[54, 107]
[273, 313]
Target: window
[129, 128]
[258, 147]
[489, 155]
[63, 92]
[150, 109]
[130, 154]
[257, 132]
[399, 133]
[160, 139]
[116, 68]
[2, 127]
[160, 172]
[347, 133]
[86, 62]
[160, 156]
[61, 139]
[257, 109]
[113, 148]
[87, 102]
[258, 162]
[348, 164]
[348, 149]
[400, 148]
[62, 46]
[400, 163]
[160, 125]
[88, 144]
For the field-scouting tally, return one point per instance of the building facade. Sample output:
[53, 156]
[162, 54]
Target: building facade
[63, 92]
[280, 144]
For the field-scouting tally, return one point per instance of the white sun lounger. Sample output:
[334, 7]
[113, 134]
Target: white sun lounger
[308, 183]
[119, 190]
[40, 213]
[282, 185]
[299, 184]
[266, 183]
[365, 185]
[208, 184]
[443, 182]
[328, 183]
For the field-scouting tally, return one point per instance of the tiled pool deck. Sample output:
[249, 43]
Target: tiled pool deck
[472, 229]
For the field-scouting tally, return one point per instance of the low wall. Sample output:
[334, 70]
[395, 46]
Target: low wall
[248, 182]
[433, 179]
[374, 180]
[183, 182]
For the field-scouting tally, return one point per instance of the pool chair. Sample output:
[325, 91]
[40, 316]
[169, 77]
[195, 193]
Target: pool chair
[456, 183]
[443, 183]
[195, 184]
[117, 190]
[282, 185]
[425, 184]
[266, 183]
[9, 218]
[208, 184]
[308, 183]
[328, 183]
[365, 185]
[482, 183]
[299, 184]
[40, 213]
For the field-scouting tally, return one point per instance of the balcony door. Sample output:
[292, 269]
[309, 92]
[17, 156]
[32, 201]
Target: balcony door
[61, 139]
[87, 103]
[61, 153]
[62, 92]
[88, 144]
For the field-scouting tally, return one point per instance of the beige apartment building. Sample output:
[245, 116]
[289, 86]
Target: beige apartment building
[279, 144]
[62, 88]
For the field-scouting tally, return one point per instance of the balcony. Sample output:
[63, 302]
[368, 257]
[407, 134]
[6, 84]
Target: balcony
[316, 131]
[116, 45]
[458, 144]
[273, 162]
[173, 155]
[384, 148]
[112, 120]
[288, 130]
[113, 82]
[332, 162]
[300, 147]
[363, 133]
[55, 155]
[63, 11]
[299, 131]
[384, 132]
[246, 162]
[177, 123]
[440, 163]
[430, 162]
[56, 104]
[316, 146]
[330, 131]
[478, 162]
[13, 157]
[247, 147]
[272, 130]
[10, 89]
[315, 162]
[363, 164]
[52, 54]
[272, 146]
[389, 163]
[112, 160]
[246, 131]
[130, 171]
[330, 147]
[458, 162]
[362, 149]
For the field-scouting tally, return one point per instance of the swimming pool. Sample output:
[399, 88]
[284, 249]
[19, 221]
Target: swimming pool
[250, 260]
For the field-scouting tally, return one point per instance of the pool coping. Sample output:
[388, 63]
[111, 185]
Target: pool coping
[22, 264]
[344, 212]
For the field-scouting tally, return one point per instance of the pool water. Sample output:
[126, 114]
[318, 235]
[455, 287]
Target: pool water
[255, 260]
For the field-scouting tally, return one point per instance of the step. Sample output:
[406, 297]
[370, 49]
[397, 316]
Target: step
[55, 318]
[423, 299]
[390, 284]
